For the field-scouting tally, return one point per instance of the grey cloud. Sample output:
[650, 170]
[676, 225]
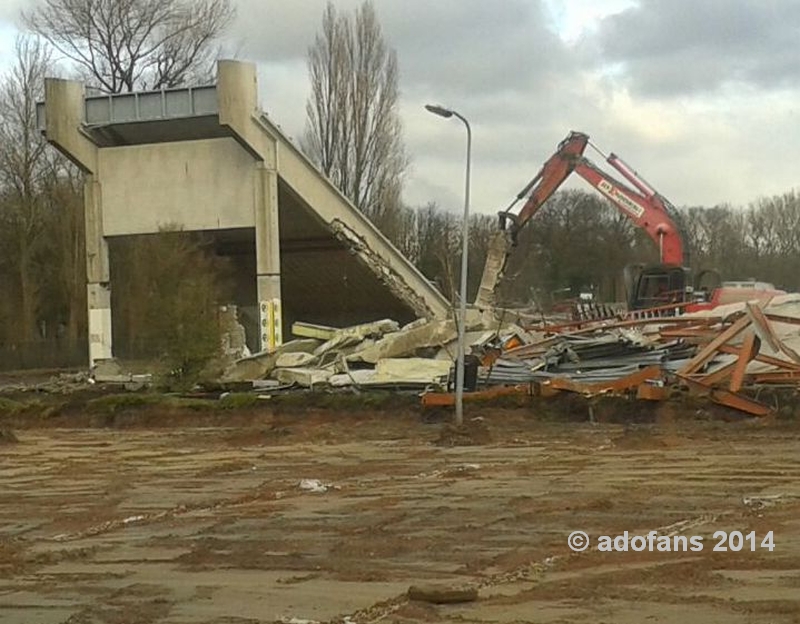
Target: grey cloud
[10, 11]
[668, 48]
[458, 47]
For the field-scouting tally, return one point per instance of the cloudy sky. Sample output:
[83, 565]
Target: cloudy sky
[699, 96]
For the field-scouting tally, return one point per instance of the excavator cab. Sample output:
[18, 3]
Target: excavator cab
[657, 286]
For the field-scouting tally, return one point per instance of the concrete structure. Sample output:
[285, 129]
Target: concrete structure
[208, 159]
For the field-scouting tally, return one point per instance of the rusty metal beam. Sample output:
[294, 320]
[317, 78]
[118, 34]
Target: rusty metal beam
[783, 376]
[762, 327]
[777, 318]
[749, 349]
[765, 359]
[729, 399]
[708, 352]
[717, 376]
[448, 399]
[617, 385]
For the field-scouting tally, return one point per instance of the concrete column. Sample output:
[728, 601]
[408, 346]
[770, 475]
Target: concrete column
[97, 275]
[268, 258]
[64, 112]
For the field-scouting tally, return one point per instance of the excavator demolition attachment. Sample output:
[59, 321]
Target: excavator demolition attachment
[642, 204]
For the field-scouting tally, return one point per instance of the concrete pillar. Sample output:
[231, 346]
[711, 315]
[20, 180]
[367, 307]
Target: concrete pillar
[64, 114]
[97, 274]
[268, 258]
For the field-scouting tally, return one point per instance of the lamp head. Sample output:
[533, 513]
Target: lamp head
[439, 110]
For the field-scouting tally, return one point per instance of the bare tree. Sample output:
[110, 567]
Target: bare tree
[353, 129]
[122, 45]
[23, 169]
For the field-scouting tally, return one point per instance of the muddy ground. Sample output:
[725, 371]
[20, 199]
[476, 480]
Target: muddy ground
[148, 519]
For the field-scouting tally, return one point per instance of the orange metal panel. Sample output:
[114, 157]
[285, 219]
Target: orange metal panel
[649, 392]
[447, 399]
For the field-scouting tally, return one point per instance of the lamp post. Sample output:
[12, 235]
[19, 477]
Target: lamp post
[462, 311]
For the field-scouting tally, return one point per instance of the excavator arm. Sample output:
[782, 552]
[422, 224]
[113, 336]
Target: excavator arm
[642, 204]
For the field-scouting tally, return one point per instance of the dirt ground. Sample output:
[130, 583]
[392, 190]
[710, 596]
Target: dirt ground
[179, 524]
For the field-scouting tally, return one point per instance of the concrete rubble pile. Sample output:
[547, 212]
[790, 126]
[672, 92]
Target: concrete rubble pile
[727, 354]
[373, 355]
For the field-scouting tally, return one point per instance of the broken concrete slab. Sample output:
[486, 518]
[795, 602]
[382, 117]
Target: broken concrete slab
[294, 360]
[350, 336]
[397, 372]
[234, 340]
[411, 370]
[260, 365]
[407, 342]
[311, 330]
[358, 378]
[304, 377]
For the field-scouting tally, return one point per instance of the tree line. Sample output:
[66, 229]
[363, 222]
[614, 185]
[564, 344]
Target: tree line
[354, 134]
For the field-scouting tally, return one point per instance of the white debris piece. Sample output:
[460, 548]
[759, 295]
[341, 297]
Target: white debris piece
[359, 377]
[411, 370]
[314, 485]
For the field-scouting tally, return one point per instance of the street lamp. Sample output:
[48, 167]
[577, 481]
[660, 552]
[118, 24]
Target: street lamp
[462, 312]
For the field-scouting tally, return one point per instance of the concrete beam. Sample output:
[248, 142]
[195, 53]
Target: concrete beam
[237, 94]
[350, 226]
[64, 116]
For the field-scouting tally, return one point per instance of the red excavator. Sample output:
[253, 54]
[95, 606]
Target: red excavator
[666, 283]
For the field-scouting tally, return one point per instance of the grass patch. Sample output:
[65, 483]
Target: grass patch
[111, 404]
[8, 407]
[237, 400]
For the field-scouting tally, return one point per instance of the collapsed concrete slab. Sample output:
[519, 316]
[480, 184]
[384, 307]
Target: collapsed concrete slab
[262, 364]
[409, 341]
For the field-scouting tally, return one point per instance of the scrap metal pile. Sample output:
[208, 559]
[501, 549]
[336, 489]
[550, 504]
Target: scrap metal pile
[728, 354]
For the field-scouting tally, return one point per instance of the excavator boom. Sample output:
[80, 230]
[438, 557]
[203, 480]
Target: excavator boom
[642, 204]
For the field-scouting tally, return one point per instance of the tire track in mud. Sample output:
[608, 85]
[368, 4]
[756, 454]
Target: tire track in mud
[527, 572]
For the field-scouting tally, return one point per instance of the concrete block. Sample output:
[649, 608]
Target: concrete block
[262, 364]
[411, 370]
[305, 377]
[350, 336]
[294, 360]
